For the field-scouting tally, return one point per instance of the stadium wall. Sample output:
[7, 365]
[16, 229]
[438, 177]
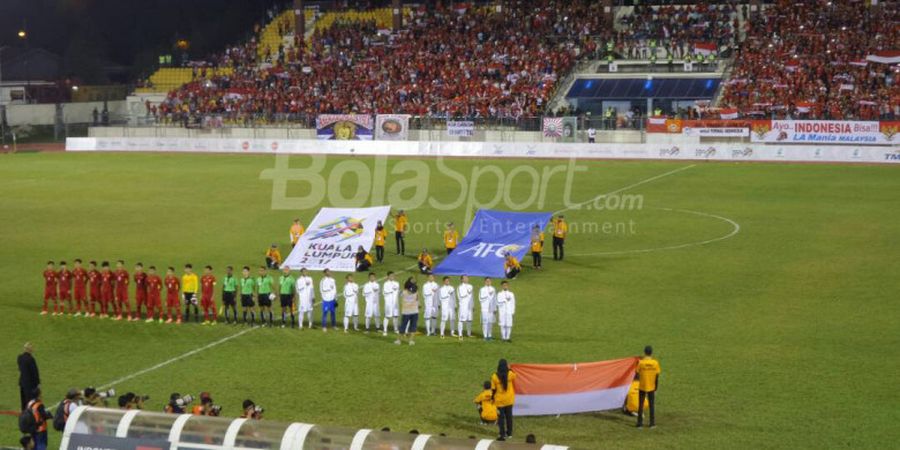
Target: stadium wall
[721, 150]
[45, 113]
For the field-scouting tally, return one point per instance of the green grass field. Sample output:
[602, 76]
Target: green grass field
[780, 335]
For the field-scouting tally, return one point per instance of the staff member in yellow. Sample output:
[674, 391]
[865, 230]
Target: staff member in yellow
[401, 224]
[537, 246]
[190, 285]
[426, 263]
[503, 385]
[511, 266]
[630, 407]
[648, 378]
[487, 411]
[560, 230]
[380, 238]
[451, 238]
[273, 257]
[296, 231]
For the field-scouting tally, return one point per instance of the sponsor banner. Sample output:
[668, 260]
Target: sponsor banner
[676, 126]
[460, 128]
[716, 132]
[825, 132]
[344, 127]
[392, 127]
[563, 128]
[718, 151]
[334, 236]
[544, 389]
[490, 237]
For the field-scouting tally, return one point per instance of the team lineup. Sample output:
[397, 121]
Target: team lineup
[103, 290]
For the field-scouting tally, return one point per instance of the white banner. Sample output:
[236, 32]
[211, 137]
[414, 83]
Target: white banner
[392, 127]
[333, 238]
[460, 128]
[824, 132]
[716, 132]
[720, 151]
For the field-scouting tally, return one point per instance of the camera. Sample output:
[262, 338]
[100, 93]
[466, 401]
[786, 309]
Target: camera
[215, 410]
[181, 402]
[110, 393]
[258, 410]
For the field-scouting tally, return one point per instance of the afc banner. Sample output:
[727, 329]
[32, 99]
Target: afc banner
[392, 127]
[344, 127]
[825, 132]
[333, 238]
[491, 236]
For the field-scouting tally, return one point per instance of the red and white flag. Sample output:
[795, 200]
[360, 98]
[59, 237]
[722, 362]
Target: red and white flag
[804, 107]
[545, 389]
[705, 48]
[728, 114]
[885, 57]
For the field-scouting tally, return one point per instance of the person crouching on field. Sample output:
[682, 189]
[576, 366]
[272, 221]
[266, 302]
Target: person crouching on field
[511, 266]
[425, 262]
[487, 410]
[363, 260]
[273, 257]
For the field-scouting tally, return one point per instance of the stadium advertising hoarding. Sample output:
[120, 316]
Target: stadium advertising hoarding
[460, 128]
[678, 126]
[333, 237]
[392, 127]
[344, 127]
[825, 132]
[716, 132]
[489, 238]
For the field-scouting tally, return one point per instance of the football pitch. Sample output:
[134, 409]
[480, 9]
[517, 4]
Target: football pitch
[769, 292]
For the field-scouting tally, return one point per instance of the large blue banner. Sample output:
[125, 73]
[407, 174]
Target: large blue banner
[491, 235]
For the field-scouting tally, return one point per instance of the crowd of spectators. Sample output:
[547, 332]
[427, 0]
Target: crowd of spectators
[810, 62]
[479, 62]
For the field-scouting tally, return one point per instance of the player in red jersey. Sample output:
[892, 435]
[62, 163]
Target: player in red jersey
[207, 287]
[79, 277]
[122, 306]
[64, 282]
[50, 287]
[94, 284]
[140, 292]
[154, 287]
[107, 285]
[173, 296]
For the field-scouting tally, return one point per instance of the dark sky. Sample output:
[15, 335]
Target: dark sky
[92, 34]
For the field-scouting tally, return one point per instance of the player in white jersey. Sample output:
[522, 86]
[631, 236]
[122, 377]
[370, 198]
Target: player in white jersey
[464, 295]
[506, 309]
[487, 298]
[447, 296]
[370, 293]
[391, 292]
[328, 291]
[351, 304]
[305, 295]
[429, 292]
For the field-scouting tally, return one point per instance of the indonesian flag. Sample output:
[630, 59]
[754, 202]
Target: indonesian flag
[704, 48]
[544, 389]
[728, 114]
[804, 107]
[885, 57]
[657, 120]
[860, 63]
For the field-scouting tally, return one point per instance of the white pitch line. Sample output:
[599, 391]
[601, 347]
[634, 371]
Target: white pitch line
[630, 186]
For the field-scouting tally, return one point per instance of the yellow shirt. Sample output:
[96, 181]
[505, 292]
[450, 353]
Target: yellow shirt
[511, 262]
[275, 254]
[537, 245]
[504, 397]
[648, 370]
[451, 237]
[400, 222]
[189, 283]
[380, 237]
[296, 232]
[425, 258]
[560, 229]
[631, 401]
[488, 409]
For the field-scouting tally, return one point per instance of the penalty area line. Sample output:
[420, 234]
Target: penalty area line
[630, 186]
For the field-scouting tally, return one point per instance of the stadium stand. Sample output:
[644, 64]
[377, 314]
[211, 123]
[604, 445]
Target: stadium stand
[779, 69]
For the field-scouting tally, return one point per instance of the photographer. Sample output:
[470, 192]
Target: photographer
[251, 411]
[94, 398]
[132, 401]
[206, 406]
[177, 403]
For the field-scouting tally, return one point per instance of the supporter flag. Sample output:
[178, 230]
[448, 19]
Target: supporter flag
[705, 48]
[804, 107]
[490, 237]
[344, 127]
[885, 57]
[544, 389]
[728, 114]
[392, 127]
[333, 237]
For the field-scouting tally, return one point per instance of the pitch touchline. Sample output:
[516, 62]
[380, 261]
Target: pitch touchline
[736, 228]
[242, 332]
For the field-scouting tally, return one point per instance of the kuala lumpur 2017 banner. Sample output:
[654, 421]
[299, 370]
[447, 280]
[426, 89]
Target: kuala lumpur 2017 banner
[333, 238]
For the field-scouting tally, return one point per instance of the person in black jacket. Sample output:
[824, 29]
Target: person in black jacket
[29, 378]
